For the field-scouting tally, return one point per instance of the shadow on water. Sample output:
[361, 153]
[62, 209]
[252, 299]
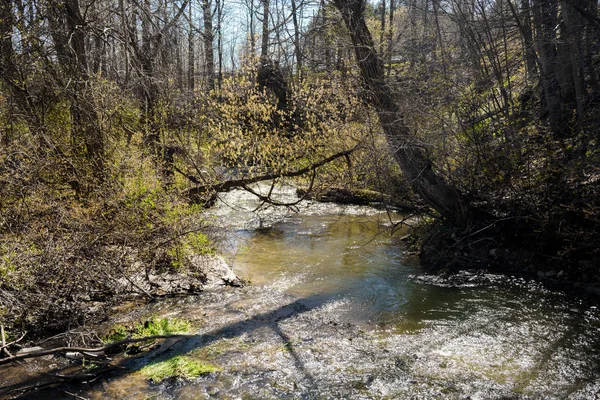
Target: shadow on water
[571, 331]
[185, 344]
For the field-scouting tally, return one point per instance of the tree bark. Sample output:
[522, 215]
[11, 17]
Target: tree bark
[417, 168]
[390, 38]
[220, 42]
[382, 30]
[191, 54]
[209, 55]
[252, 31]
[264, 47]
[6, 54]
[297, 49]
[545, 21]
[67, 30]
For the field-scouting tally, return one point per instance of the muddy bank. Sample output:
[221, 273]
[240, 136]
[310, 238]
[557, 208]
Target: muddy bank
[503, 247]
[24, 377]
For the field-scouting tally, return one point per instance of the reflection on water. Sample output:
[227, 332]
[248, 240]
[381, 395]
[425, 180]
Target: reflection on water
[342, 255]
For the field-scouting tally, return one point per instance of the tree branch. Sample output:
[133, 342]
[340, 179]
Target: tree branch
[86, 351]
[228, 185]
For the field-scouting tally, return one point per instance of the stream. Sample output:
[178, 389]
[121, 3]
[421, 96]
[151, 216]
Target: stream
[336, 309]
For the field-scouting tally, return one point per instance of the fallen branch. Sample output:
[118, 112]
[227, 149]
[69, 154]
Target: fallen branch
[85, 351]
[195, 192]
[6, 345]
[269, 200]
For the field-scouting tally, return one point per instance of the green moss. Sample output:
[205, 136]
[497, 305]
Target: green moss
[152, 327]
[163, 326]
[117, 333]
[177, 367]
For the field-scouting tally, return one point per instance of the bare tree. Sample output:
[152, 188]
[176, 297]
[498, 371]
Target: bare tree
[69, 36]
[417, 168]
[209, 57]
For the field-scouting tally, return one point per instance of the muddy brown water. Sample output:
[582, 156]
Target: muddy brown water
[335, 310]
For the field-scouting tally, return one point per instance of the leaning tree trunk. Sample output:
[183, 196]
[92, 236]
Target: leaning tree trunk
[417, 168]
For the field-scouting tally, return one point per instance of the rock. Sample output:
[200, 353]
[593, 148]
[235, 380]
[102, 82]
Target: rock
[74, 355]
[28, 350]
[406, 238]
[217, 272]
[208, 271]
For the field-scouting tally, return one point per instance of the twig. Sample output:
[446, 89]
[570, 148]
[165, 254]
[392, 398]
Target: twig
[75, 395]
[4, 349]
[5, 345]
[397, 225]
[485, 228]
[104, 349]
[139, 287]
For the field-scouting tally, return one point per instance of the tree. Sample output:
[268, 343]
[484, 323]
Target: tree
[417, 168]
[209, 55]
[69, 36]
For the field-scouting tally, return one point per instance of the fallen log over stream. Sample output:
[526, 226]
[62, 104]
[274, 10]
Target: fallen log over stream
[196, 194]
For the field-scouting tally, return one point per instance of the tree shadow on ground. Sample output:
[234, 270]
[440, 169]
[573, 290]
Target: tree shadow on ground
[52, 385]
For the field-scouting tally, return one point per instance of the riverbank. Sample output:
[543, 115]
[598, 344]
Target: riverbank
[335, 310]
[502, 246]
[56, 370]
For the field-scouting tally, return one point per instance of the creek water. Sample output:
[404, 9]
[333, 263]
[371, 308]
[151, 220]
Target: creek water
[336, 309]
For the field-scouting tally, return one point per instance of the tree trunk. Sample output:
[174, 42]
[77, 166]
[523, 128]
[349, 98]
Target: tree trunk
[530, 56]
[220, 43]
[264, 47]
[209, 55]
[325, 30]
[382, 30]
[573, 40]
[390, 38]
[417, 168]
[591, 39]
[297, 49]
[6, 54]
[67, 29]
[191, 54]
[545, 22]
[252, 32]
